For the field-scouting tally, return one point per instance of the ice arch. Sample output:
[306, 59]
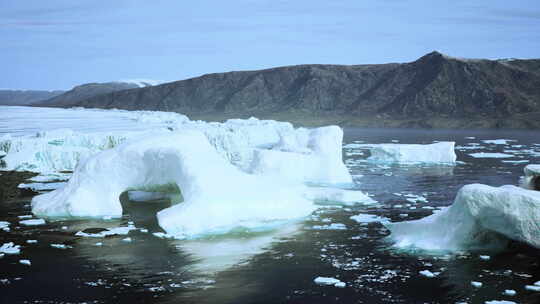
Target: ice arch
[216, 194]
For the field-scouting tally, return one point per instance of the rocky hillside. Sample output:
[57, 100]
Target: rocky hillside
[25, 97]
[86, 91]
[433, 91]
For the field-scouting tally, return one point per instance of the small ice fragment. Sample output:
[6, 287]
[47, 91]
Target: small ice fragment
[328, 281]
[98, 244]
[537, 283]
[340, 285]
[485, 257]
[31, 241]
[427, 273]
[22, 217]
[143, 230]
[128, 239]
[476, 284]
[510, 292]
[10, 248]
[25, 262]
[107, 217]
[60, 246]
[403, 215]
[64, 227]
[500, 302]
[33, 222]
[532, 287]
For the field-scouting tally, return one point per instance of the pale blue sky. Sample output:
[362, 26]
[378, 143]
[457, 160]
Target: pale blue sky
[57, 44]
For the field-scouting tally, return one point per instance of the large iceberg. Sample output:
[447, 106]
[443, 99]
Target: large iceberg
[441, 152]
[481, 217]
[217, 196]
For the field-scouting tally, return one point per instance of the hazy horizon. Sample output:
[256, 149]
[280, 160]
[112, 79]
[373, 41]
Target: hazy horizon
[56, 45]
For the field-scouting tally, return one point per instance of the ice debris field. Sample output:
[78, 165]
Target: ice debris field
[258, 175]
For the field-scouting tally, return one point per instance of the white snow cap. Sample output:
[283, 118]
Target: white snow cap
[479, 215]
[441, 152]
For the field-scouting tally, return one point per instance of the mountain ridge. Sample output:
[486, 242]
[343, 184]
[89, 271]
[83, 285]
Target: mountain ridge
[435, 90]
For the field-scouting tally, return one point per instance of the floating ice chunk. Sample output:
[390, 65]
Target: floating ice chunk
[368, 218]
[479, 216]
[498, 141]
[25, 262]
[515, 161]
[60, 246]
[485, 257]
[428, 273]
[509, 292]
[10, 248]
[4, 224]
[98, 244]
[31, 241]
[333, 226]
[162, 235]
[491, 155]
[41, 186]
[32, 222]
[476, 284]
[537, 283]
[500, 302]
[442, 152]
[338, 196]
[532, 287]
[127, 240]
[329, 281]
[107, 232]
[212, 188]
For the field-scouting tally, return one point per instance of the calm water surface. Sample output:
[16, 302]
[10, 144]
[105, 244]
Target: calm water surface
[279, 266]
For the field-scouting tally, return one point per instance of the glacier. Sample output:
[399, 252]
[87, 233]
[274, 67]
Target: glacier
[441, 152]
[481, 217]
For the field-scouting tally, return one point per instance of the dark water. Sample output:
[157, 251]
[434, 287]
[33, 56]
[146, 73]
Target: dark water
[280, 266]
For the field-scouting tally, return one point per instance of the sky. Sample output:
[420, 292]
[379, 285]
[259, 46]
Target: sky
[57, 44]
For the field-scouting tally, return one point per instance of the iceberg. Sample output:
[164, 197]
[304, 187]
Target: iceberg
[481, 217]
[441, 152]
[212, 188]
[532, 177]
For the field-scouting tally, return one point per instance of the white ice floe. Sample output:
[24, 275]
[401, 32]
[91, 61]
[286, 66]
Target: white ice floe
[509, 292]
[498, 141]
[478, 218]
[532, 288]
[500, 302]
[442, 152]
[10, 248]
[60, 246]
[107, 232]
[476, 284]
[491, 155]
[329, 281]
[32, 222]
[41, 186]
[368, 218]
[485, 257]
[4, 224]
[31, 241]
[25, 262]
[428, 274]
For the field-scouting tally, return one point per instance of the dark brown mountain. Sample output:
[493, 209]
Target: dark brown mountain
[433, 91]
